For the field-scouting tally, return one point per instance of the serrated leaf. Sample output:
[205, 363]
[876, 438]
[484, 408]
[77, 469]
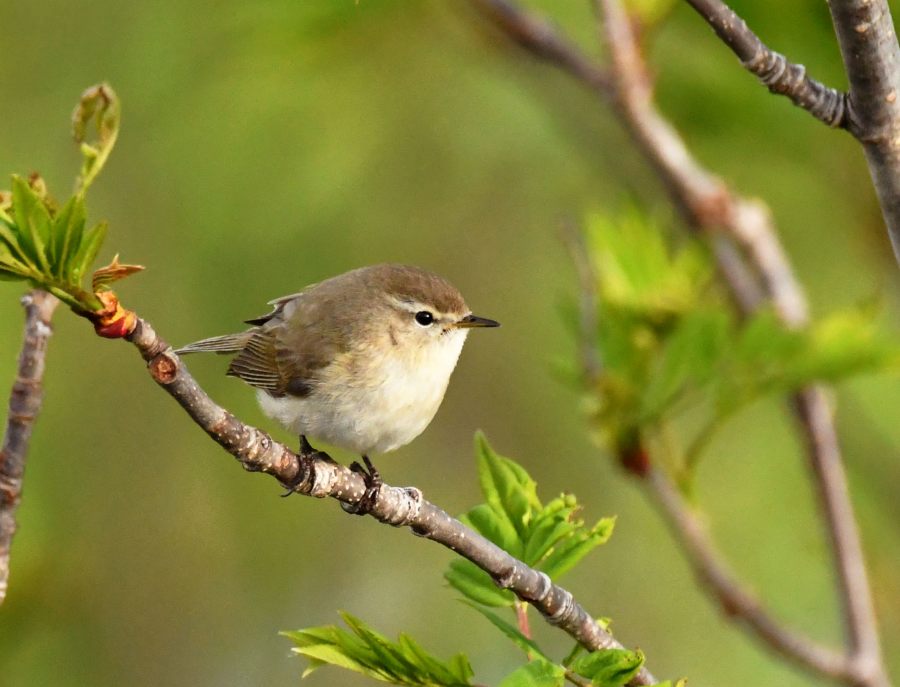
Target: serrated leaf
[537, 673]
[571, 551]
[506, 486]
[370, 653]
[520, 640]
[552, 523]
[476, 584]
[423, 664]
[112, 272]
[389, 658]
[496, 526]
[608, 667]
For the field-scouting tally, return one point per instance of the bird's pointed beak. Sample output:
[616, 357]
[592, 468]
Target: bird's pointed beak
[470, 321]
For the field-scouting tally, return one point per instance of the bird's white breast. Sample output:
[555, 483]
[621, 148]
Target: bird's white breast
[373, 400]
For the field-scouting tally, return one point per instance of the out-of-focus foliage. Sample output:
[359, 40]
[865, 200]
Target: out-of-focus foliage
[669, 344]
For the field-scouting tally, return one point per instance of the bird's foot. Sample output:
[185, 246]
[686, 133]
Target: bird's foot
[373, 482]
[307, 454]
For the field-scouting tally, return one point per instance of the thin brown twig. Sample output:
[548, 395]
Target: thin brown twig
[773, 69]
[709, 206]
[400, 507]
[24, 406]
[736, 602]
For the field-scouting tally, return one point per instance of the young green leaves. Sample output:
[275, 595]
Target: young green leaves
[365, 651]
[550, 537]
[49, 246]
[671, 347]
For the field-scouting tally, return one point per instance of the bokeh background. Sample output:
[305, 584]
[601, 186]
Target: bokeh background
[270, 144]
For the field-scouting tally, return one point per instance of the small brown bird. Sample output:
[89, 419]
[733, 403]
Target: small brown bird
[361, 360]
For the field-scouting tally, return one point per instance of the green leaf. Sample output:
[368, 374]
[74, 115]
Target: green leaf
[33, 223]
[536, 673]
[91, 243]
[608, 667]
[476, 584]
[524, 643]
[389, 658]
[68, 228]
[506, 486]
[370, 653]
[496, 526]
[568, 554]
[550, 527]
[99, 104]
[9, 241]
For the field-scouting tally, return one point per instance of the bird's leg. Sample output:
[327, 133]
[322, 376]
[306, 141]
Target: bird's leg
[373, 481]
[307, 452]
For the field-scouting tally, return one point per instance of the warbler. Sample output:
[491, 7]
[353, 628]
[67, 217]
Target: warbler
[361, 360]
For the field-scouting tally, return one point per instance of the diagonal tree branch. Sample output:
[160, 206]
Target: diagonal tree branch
[401, 507]
[785, 78]
[710, 207]
[24, 406]
[868, 43]
[713, 571]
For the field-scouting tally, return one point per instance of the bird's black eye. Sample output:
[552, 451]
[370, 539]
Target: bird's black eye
[424, 318]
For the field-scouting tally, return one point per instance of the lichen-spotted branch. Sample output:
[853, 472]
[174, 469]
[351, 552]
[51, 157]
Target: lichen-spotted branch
[24, 406]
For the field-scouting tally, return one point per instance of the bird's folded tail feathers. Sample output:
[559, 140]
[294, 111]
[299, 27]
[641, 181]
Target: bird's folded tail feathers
[228, 343]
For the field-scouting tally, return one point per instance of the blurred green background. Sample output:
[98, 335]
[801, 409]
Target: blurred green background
[267, 145]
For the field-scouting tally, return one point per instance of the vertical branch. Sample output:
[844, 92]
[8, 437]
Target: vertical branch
[24, 405]
[865, 34]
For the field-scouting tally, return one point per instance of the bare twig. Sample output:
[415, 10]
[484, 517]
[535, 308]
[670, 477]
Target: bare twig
[865, 33]
[736, 602]
[773, 69]
[400, 507]
[817, 425]
[540, 38]
[709, 206]
[24, 406]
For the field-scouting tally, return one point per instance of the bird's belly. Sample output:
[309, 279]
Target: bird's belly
[385, 412]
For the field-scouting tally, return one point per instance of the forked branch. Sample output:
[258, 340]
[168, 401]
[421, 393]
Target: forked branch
[780, 76]
[761, 273]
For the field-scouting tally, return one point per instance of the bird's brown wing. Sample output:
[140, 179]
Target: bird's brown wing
[290, 347]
